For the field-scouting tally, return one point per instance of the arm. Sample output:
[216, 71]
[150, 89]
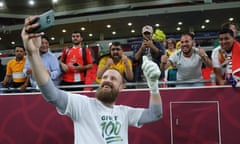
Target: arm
[27, 72]
[165, 63]
[32, 43]
[24, 86]
[83, 68]
[217, 67]
[64, 67]
[148, 43]
[6, 80]
[8, 75]
[151, 45]
[128, 65]
[138, 54]
[218, 76]
[55, 73]
[152, 73]
[87, 61]
[103, 66]
[54, 69]
[206, 60]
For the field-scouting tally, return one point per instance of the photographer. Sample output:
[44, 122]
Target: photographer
[153, 49]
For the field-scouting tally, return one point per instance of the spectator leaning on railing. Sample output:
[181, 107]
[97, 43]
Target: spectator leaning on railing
[116, 59]
[226, 59]
[188, 61]
[15, 77]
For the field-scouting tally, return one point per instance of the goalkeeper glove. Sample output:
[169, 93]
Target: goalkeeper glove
[152, 73]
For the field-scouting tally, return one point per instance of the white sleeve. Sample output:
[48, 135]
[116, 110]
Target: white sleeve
[75, 105]
[134, 115]
[174, 58]
[215, 58]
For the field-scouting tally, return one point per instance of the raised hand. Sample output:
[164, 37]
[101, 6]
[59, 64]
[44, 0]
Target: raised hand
[152, 73]
[32, 41]
[201, 52]
[109, 62]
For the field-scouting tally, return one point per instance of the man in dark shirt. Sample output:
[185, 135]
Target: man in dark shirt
[153, 49]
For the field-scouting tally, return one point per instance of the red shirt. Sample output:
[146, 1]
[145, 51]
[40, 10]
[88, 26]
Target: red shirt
[74, 56]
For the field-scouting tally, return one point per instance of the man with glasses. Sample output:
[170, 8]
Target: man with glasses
[117, 60]
[153, 49]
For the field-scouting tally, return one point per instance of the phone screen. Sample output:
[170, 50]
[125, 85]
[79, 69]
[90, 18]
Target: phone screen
[46, 21]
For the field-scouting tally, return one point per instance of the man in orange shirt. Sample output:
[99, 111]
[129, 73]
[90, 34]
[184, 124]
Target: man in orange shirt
[72, 62]
[14, 73]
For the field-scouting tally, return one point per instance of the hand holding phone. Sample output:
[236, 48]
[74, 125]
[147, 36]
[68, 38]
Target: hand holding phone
[45, 21]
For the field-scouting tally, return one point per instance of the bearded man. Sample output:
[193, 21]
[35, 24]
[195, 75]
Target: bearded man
[188, 60]
[96, 120]
[115, 59]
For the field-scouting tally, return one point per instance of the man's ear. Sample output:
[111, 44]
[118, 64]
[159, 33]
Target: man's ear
[81, 38]
[122, 86]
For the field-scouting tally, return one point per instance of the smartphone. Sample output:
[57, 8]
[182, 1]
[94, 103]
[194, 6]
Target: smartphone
[46, 21]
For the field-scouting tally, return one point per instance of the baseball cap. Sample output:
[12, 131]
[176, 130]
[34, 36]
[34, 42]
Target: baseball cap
[147, 28]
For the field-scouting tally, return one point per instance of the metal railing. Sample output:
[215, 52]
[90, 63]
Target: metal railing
[128, 85]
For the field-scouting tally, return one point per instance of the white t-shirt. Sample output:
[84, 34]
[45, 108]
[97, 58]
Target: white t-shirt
[188, 68]
[95, 123]
[223, 60]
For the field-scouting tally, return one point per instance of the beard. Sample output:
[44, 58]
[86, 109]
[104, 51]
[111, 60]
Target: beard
[76, 42]
[116, 57]
[43, 52]
[106, 96]
[187, 51]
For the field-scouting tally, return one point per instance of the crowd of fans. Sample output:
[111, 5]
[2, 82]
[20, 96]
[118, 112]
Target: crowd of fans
[181, 62]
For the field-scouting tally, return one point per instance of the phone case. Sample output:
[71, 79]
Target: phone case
[46, 21]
